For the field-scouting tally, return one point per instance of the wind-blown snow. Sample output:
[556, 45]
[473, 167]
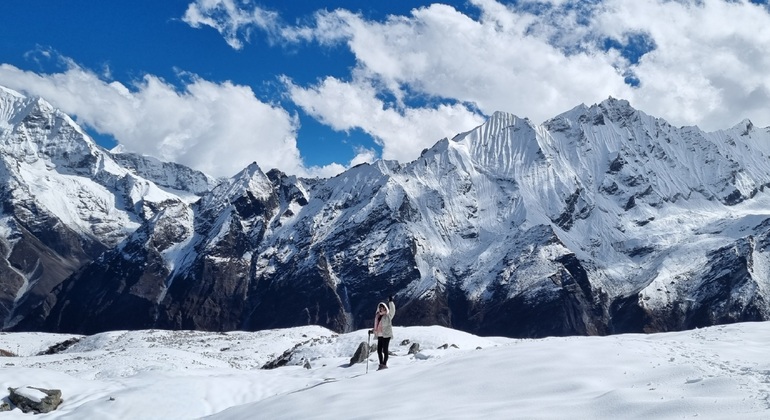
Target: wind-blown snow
[713, 373]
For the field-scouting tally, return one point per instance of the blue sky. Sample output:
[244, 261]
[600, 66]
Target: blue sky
[130, 38]
[315, 87]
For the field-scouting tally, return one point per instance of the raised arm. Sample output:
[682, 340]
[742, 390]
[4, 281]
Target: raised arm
[391, 307]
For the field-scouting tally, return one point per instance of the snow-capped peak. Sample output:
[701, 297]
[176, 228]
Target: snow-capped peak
[250, 179]
[616, 104]
[502, 144]
[12, 107]
[55, 164]
[744, 127]
[31, 130]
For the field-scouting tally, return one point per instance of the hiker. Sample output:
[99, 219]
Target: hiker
[383, 330]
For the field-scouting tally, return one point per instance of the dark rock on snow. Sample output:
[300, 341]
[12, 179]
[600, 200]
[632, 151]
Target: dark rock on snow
[35, 400]
[362, 352]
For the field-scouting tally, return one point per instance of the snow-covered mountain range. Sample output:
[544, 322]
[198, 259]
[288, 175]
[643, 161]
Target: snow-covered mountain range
[600, 220]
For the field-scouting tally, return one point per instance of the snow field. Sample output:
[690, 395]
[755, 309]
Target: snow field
[714, 373]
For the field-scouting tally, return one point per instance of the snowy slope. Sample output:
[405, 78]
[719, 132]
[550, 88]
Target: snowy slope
[712, 373]
[183, 181]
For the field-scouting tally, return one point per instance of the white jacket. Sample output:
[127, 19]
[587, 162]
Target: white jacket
[386, 321]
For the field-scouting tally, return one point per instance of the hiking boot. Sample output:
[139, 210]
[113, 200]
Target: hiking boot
[382, 367]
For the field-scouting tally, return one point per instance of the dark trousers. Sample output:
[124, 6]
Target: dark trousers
[382, 349]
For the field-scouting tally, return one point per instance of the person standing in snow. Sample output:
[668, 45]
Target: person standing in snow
[383, 330]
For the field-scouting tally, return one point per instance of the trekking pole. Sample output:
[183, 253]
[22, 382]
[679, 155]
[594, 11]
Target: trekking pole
[368, 340]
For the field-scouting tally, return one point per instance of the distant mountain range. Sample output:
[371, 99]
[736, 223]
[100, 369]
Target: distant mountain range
[601, 220]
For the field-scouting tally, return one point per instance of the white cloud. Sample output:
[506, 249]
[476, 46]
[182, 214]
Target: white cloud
[710, 66]
[402, 133]
[236, 21]
[540, 58]
[218, 128]
[230, 19]
[422, 76]
[707, 66]
[364, 155]
[492, 62]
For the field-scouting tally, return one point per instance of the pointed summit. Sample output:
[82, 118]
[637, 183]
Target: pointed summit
[502, 143]
[496, 124]
[250, 179]
[31, 129]
[744, 127]
[616, 109]
[13, 107]
[609, 110]
[250, 184]
[253, 179]
[614, 102]
[502, 119]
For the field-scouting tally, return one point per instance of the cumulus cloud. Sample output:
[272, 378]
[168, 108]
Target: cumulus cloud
[230, 19]
[236, 21]
[709, 66]
[402, 133]
[218, 128]
[363, 155]
[434, 72]
[702, 61]
[492, 62]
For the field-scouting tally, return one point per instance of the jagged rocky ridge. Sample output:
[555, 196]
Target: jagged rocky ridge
[601, 220]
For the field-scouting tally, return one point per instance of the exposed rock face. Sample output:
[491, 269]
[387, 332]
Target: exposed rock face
[601, 220]
[727, 291]
[60, 347]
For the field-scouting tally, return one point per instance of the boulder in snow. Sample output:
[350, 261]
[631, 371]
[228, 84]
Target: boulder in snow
[362, 352]
[35, 400]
